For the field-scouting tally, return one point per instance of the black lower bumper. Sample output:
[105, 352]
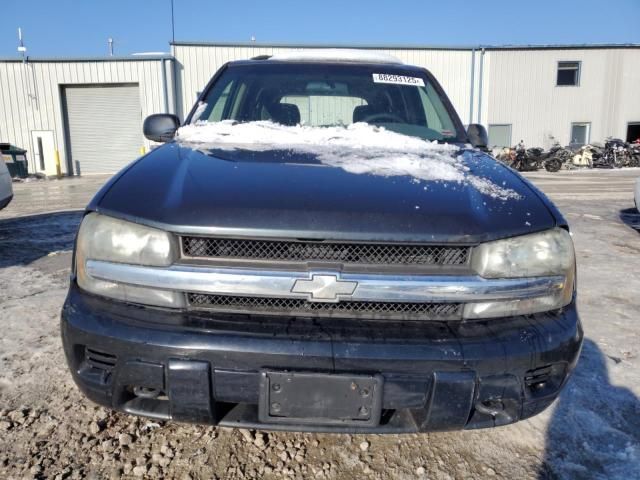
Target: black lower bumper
[434, 376]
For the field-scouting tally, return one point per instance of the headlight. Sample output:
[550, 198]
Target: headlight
[108, 239]
[547, 253]
[535, 255]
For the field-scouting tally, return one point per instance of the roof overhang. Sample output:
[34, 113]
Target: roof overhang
[584, 46]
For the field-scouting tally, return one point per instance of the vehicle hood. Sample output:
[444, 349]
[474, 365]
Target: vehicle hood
[294, 195]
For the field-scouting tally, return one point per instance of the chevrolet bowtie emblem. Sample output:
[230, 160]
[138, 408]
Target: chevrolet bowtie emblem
[324, 288]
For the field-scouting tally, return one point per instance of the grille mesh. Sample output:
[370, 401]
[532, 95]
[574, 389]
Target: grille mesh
[293, 307]
[302, 251]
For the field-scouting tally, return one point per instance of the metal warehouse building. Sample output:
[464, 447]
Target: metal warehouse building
[91, 110]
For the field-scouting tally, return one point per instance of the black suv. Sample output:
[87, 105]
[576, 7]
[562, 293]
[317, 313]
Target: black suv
[323, 247]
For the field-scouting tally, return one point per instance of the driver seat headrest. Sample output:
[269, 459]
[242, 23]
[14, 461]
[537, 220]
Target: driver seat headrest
[285, 113]
[361, 112]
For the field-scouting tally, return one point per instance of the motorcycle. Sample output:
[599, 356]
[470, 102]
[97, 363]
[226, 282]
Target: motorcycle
[584, 157]
[615, 153]
[553, 159]
[524, 162]
[506, 155]
[531, 159]
[634, 153]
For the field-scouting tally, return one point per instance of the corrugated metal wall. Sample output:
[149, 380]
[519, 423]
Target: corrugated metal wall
[196, 64]
[523, 92]
[30, 93]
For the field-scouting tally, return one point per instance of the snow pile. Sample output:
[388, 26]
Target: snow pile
[359, 148]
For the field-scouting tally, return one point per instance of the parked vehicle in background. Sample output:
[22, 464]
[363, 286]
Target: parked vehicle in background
[334, 276]
[615, 153]
[584, 157]
[598, 158]
[552, 159]
[634, 152]
[523, 161]
[6, 187]
[506, 155]
[526, 159]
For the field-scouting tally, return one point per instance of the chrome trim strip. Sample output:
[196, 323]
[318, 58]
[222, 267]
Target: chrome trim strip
[376, 288]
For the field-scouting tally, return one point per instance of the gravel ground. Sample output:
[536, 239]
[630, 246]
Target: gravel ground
[48, 429]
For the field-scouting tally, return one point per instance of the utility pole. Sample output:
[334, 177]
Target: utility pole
[21, 48]
[173, 28]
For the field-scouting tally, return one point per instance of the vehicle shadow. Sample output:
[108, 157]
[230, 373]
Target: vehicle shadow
[595, 427]
[631, 217]
[25, 239]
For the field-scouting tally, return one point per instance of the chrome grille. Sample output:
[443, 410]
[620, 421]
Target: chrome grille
[305, 251]
[351, 309]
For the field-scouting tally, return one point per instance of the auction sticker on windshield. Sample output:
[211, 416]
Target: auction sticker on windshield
[397, 79]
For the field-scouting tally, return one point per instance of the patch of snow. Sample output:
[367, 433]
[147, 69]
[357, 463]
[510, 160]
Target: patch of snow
[359, 148]
[202, 106]
[142, 54]
[337, 54]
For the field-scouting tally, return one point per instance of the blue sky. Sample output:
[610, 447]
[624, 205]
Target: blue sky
[81, 27]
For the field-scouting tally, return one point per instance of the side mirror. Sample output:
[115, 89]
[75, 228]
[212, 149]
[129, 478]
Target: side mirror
[160, 127]
[478, 136]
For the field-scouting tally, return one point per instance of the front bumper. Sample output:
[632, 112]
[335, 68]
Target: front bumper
[436, 376]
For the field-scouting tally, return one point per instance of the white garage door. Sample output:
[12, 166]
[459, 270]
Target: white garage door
[104, 127]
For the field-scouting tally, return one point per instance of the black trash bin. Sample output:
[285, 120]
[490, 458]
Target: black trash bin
[16, 160]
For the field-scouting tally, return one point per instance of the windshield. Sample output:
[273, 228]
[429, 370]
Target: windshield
[403, 100]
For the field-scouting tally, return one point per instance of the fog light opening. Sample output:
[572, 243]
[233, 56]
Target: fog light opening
[538, 385]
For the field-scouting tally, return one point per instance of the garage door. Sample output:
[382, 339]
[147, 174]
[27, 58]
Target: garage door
[104, 127]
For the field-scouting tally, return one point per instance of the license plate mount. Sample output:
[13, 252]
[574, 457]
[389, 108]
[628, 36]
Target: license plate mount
[312, 398]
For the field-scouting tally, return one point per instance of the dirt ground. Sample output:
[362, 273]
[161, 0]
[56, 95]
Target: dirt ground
[49, 430]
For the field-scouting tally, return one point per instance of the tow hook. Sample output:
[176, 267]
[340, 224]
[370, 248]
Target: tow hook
[490, 406]
[146, 392]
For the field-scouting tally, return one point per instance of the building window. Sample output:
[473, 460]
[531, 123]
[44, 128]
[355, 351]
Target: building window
[568, 74]
[500, 135]
[580, 133]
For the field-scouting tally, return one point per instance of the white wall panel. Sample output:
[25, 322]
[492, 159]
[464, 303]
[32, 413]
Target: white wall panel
[523, 92]
[30, 94]
[198, 63]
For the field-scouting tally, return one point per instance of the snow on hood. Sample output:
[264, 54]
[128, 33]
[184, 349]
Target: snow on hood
[359, 148]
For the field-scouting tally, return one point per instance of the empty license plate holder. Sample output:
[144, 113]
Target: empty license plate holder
[320, 399]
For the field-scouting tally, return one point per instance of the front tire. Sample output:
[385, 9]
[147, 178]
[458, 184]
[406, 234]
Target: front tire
[553, 165]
